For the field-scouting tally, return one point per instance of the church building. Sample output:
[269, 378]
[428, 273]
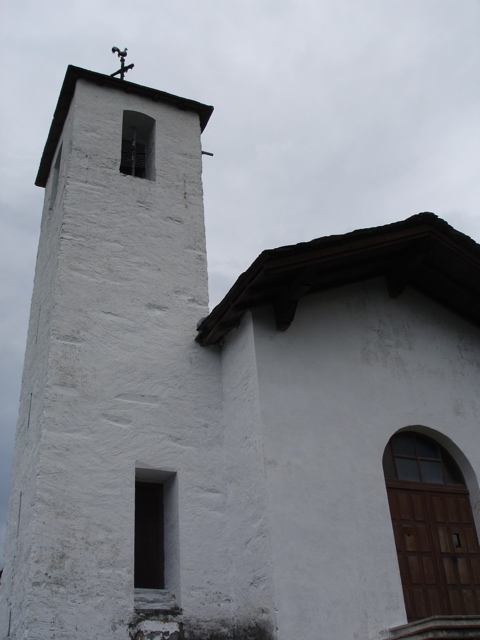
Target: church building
[302, 462]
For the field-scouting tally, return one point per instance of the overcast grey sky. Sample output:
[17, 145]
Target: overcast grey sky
[330, 115]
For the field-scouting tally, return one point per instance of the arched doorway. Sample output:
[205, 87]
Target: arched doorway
[435, 535]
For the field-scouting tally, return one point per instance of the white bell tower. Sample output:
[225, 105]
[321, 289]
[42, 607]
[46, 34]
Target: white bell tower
[116, 394]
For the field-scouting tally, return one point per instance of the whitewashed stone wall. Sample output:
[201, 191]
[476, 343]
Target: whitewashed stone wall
[116, 383]
[248, 509]
[354, 367]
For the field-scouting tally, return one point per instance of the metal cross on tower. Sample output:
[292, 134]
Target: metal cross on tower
[123, 69]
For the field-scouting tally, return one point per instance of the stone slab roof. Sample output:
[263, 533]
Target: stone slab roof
[422, 251]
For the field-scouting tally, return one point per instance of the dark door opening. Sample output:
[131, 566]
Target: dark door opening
[149, 555]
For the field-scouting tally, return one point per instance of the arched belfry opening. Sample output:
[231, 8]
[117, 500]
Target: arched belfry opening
[435, 535]
[138, 145]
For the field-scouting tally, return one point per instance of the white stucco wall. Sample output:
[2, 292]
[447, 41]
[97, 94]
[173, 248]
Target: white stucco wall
[118, 384]
[248, 511]
[354, 367]
[16, 579]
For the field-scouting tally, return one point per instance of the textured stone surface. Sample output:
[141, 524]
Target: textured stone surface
[112, 372]
[157, 630]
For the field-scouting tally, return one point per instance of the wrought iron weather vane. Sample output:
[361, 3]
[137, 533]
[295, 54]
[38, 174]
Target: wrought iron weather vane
[123, 69]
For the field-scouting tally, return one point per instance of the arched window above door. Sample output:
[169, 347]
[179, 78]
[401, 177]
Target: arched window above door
[414, 457]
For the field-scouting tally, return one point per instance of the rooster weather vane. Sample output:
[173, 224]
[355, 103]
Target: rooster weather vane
[123, 69]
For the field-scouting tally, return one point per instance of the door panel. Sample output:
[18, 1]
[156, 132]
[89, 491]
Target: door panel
[438, 551]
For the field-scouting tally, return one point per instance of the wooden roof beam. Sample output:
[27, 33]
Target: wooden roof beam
[285, 306]
[398, 278]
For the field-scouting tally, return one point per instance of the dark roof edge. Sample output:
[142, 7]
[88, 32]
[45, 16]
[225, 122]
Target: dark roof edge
[66, 95]
[425, 219]
[412, 221]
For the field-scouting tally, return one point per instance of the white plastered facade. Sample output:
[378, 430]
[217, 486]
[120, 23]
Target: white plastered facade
[277, 521]
[355, 367]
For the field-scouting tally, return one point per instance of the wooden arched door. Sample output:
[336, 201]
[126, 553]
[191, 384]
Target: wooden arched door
[437, 544]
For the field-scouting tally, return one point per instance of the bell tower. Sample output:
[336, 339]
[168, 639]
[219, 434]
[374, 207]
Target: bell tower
[114, 385]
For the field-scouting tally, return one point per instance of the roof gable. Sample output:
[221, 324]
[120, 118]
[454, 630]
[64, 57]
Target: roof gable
[422, 251]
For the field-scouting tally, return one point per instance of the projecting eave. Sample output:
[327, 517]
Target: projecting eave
[422, 251]
[65, 98]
